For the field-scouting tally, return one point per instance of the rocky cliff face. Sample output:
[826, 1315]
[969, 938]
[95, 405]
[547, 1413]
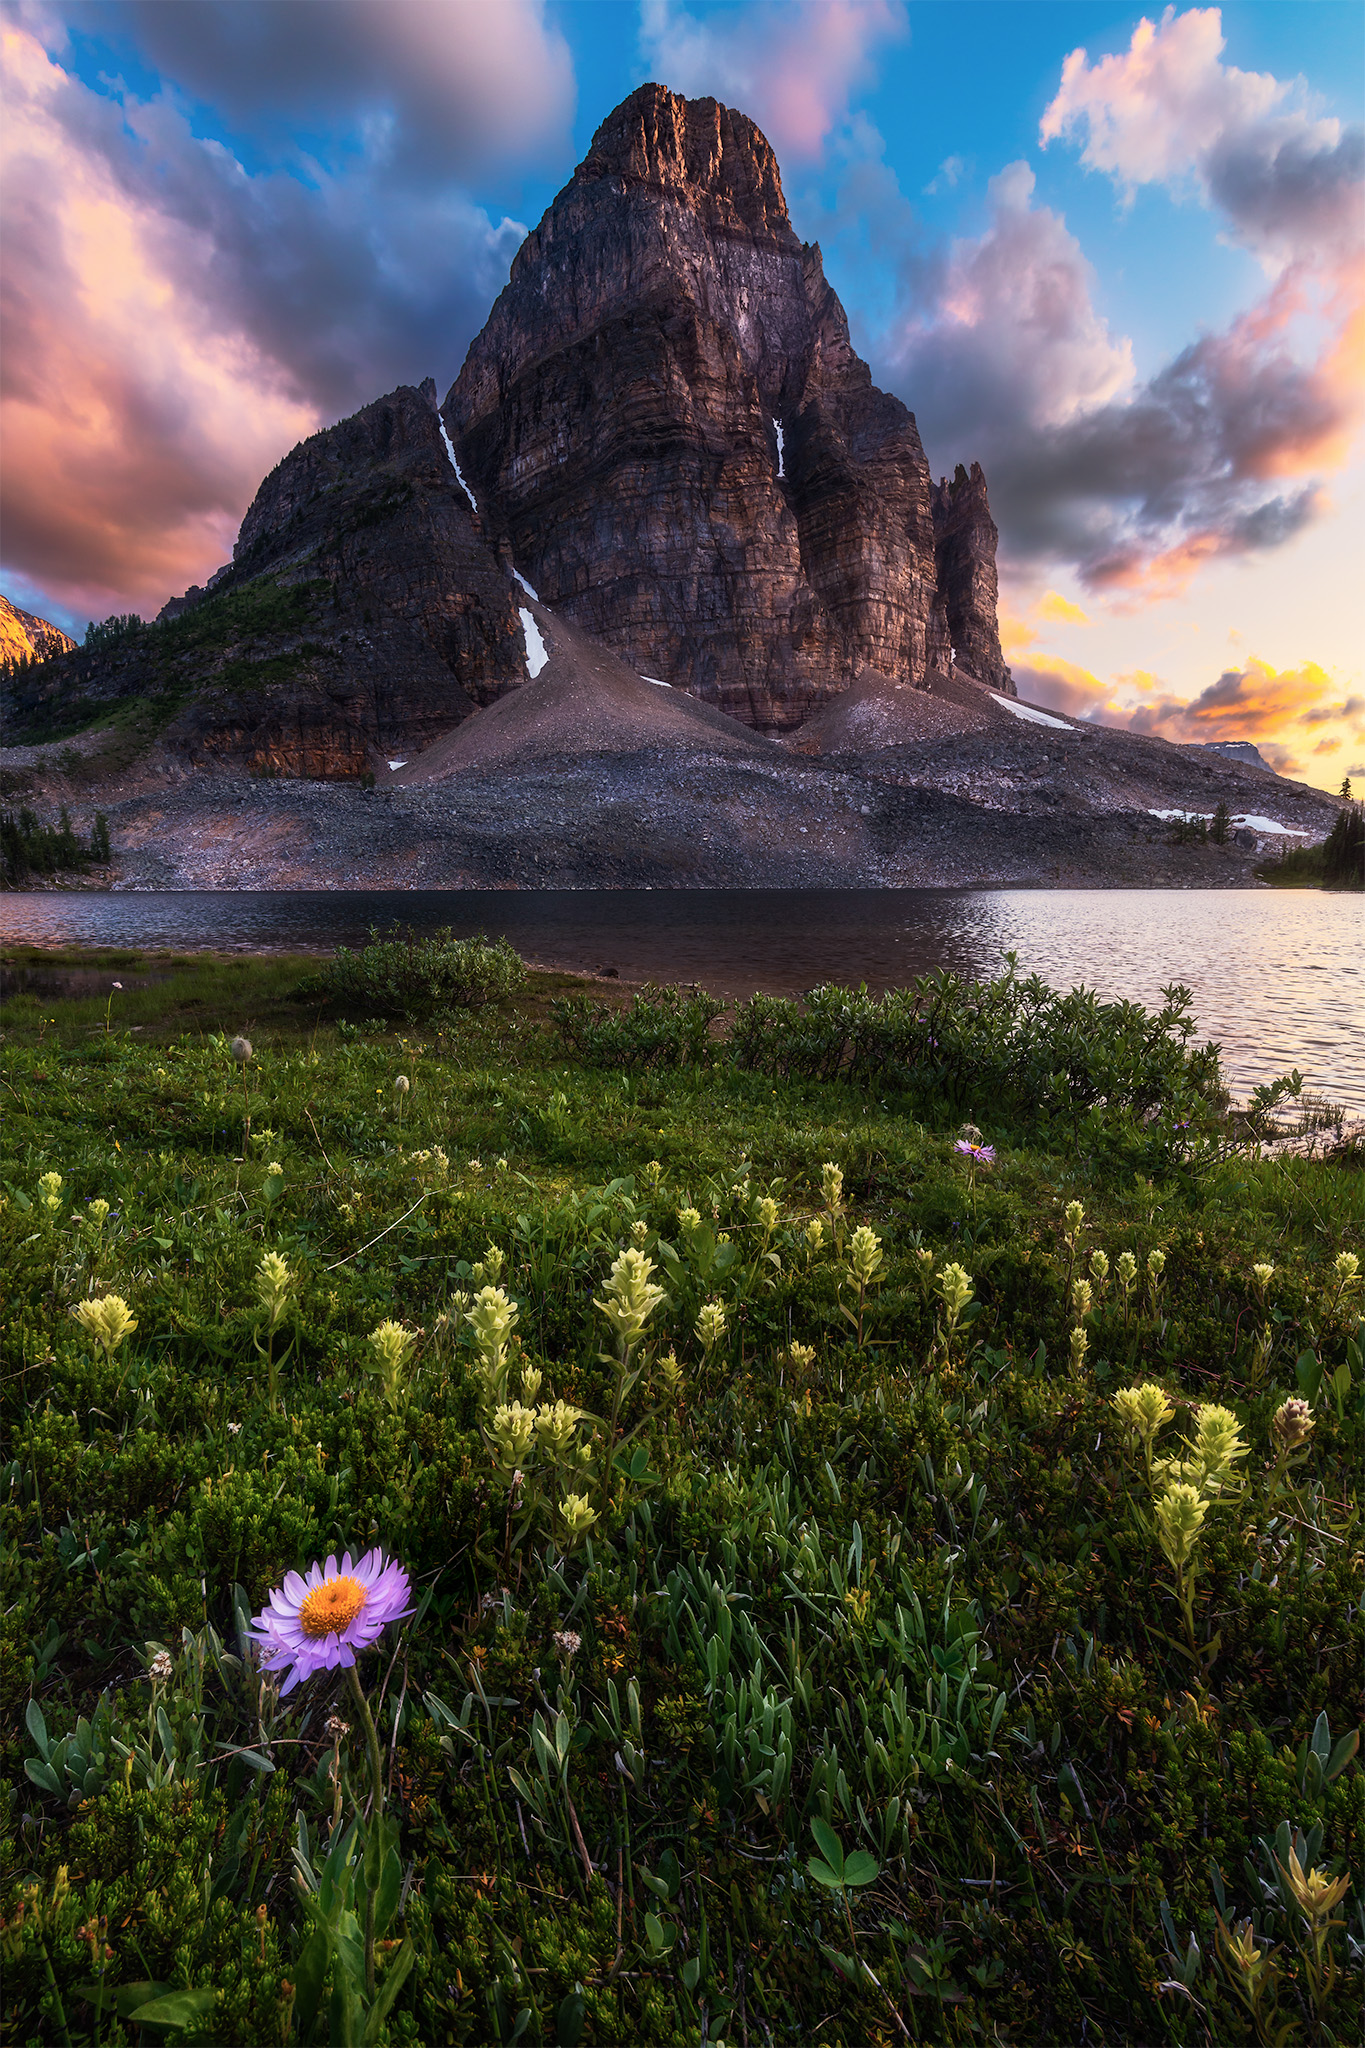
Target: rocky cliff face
[24, 636]
[664, 427]
[362, 615]
[414, 622]
[666, 421]
[965, 538]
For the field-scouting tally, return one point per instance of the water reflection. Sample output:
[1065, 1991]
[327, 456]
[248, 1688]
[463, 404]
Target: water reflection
[1277, 976]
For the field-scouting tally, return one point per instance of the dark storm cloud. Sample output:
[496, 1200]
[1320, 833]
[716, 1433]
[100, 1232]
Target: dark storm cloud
[175, 318]
[434, 88]
[347, 287]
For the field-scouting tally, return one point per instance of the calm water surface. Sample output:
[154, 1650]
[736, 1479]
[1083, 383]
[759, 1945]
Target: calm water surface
[1278, 977]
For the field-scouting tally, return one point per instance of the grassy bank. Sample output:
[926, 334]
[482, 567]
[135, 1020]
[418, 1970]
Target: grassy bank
[836, 1664]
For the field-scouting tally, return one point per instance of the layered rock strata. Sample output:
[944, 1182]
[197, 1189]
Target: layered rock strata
[965, 538]
[667, 423]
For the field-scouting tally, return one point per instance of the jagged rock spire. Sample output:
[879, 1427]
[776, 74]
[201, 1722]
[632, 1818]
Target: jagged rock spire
[666, 421]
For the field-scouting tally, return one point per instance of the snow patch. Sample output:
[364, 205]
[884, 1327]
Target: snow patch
[519, 578]
[781, 446]
[459, 473]
[1251, 820]
[656, 682]
[536, 654]
[398, 764]
[1027, 711]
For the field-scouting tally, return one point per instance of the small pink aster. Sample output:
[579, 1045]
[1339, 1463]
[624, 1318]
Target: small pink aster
[318, 1621]
[980, 1155]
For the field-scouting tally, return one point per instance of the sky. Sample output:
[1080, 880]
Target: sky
[1115, 257]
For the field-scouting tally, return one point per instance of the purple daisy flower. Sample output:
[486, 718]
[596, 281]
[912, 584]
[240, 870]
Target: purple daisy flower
[981, 1155]
[318, 1621]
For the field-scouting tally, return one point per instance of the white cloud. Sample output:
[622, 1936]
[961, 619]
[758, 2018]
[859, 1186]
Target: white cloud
[792, 65]
[1012, 339]
[1168, 111]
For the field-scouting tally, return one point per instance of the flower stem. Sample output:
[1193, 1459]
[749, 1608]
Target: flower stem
[376, 1813]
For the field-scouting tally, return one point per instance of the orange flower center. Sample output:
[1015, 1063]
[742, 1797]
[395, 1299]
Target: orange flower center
[332, 1606]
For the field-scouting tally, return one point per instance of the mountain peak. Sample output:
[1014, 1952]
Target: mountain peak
[714, 159]
[23, 635]
[669, 430]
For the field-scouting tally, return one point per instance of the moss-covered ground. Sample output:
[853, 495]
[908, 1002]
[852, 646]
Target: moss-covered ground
[844, 1562]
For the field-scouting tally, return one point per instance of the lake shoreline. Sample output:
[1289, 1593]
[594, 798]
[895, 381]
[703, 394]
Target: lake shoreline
[1277, 975]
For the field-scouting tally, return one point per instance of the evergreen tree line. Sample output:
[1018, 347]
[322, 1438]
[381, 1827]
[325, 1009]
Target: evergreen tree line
[118, 626]
[30, 848]
[1343, 855]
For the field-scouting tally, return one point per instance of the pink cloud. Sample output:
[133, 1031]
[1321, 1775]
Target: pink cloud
[135, 430]
[1013, 329]
[173, 322]
[1169, 111]
[1282, 711]
[1222, 451]
[792, 66]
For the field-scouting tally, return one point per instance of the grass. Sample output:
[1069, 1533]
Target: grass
[883, 1720]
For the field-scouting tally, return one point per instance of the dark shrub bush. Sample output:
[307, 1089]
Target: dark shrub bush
[662, 1028]
[417, 976]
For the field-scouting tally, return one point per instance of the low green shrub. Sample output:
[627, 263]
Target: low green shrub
[662, 1028]
[1014, 1048]
[419, 975]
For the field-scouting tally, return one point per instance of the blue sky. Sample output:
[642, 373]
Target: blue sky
[1127, 280]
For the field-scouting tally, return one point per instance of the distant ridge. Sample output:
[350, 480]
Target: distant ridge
[1239, 750]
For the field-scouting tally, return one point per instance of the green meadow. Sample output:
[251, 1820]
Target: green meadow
[878, 1487]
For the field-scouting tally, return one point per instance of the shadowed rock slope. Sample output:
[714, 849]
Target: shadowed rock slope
[362, 611]
[666, 422]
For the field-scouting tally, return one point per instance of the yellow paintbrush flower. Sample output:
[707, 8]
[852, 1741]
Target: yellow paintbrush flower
[107, 1321]
[631, 1296]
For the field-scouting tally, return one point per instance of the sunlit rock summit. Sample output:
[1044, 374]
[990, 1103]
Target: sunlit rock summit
[668, 427]
[25, 637]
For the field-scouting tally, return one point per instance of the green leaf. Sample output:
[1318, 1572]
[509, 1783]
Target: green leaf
[177, 2009]
[861, 1868]
[310, 1973]
[125, 1998]
[395, 1977]
[573, 2009]
[37, 1728]
[390, 1885]
[42, 1776]
[1341, 1755]
[252, 1758]
[661, 1933]
[830, 1847]
[822, 1874]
